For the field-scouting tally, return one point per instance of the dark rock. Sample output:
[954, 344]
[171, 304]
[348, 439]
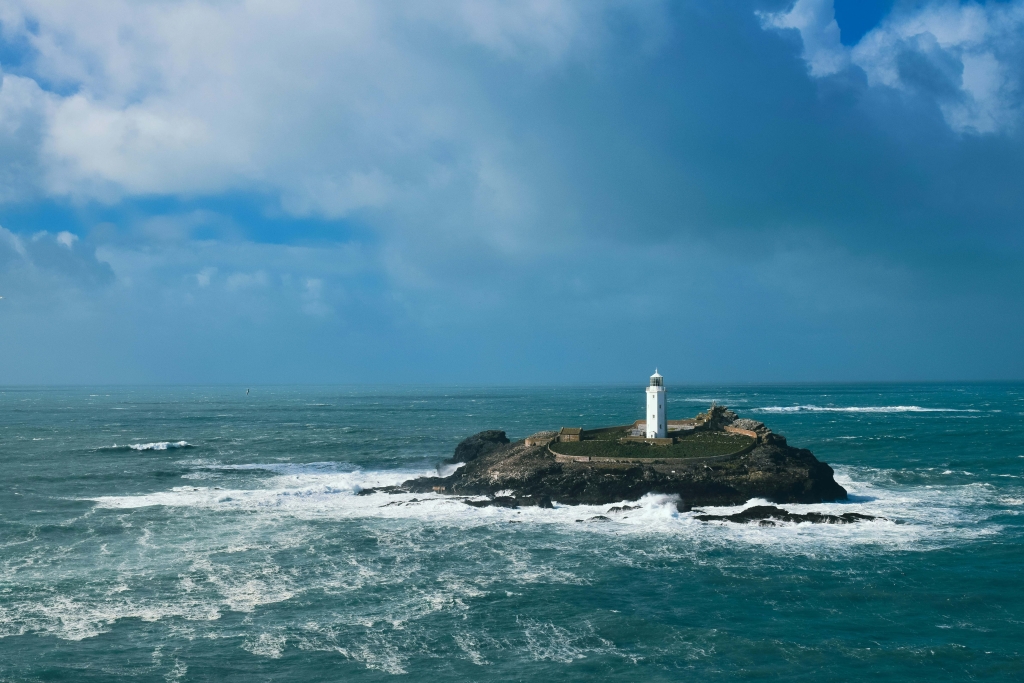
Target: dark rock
[683, 506]
[381, 489]
[498, 502]
[623, 508]
[769, 514]
[541, 501]
[478, 445]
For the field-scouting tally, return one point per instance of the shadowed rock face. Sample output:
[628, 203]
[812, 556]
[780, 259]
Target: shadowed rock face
[774, 471]
[478, 445]
[769, 515]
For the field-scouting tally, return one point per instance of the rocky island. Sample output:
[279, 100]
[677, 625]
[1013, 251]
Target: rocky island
[715, 458]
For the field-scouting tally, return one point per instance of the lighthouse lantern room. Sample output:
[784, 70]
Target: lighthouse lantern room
[657, 423]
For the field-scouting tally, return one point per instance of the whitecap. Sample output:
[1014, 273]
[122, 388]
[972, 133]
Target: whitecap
[707, 401]
[154, 446]
[859, 409]
[285, 468]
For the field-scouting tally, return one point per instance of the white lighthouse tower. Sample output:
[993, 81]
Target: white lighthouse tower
[657, 424]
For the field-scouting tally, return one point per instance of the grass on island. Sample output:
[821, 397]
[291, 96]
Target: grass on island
[604, 444]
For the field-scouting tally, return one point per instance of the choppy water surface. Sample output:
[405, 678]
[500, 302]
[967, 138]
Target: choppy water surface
[202, 534]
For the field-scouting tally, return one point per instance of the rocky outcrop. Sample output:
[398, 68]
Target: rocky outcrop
[521, 474]
[478, 445]
[769, 515]
[717, 417]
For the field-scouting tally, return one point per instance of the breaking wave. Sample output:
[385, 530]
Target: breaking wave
[154, 446]
[286, 468]
[159, 445]
[910, 517]
[859, 409]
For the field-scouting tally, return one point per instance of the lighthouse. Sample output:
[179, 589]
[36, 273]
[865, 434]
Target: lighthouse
[657, 424]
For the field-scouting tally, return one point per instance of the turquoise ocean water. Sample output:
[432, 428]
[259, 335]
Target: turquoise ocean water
[202, 534]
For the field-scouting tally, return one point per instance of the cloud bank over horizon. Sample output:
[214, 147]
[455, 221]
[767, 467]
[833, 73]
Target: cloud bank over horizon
[486, 191]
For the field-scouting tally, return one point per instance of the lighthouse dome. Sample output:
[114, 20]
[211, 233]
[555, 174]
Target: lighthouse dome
[657, 380]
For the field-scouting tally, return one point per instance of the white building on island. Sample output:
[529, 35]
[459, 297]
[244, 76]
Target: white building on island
[657, 422]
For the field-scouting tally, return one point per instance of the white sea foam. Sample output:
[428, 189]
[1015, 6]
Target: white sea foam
[297, 488]
[910, 517]
[547, 641]
[78, 618]
[155, 446]
[859, 409]
[448, 470]
[287, 468]
[266, 645]
[202, 537]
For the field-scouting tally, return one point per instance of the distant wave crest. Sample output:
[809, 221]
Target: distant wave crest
[155, 446]
[859, 409]
[288, 467]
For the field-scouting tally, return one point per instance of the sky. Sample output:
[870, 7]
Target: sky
[495, 192]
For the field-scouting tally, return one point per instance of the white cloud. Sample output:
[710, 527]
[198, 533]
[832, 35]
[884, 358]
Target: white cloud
[237, 281]
[313, 298]
[963, 57]
[24, 111]
[333, 106]
[13, 242]
[544, 28]
[816, 22]
[47, 263]
[204, 276]
[335, 198]
[95, 149]
[66, 239]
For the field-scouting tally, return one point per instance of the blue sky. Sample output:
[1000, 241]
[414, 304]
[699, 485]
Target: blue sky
[510, 192]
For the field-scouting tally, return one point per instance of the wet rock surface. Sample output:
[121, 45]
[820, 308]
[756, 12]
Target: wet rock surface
[497, 501]
[769, 515]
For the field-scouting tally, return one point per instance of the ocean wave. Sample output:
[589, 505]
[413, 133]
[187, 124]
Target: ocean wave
[232, 561]
[286, 468]
[708, 401]
[160, 445]
[911, 516]
[154, 446]
[85, 614]
[860, 409]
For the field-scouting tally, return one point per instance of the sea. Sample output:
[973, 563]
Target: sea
[218, 534]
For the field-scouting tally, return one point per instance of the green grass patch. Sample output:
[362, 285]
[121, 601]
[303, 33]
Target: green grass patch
[693, 445]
